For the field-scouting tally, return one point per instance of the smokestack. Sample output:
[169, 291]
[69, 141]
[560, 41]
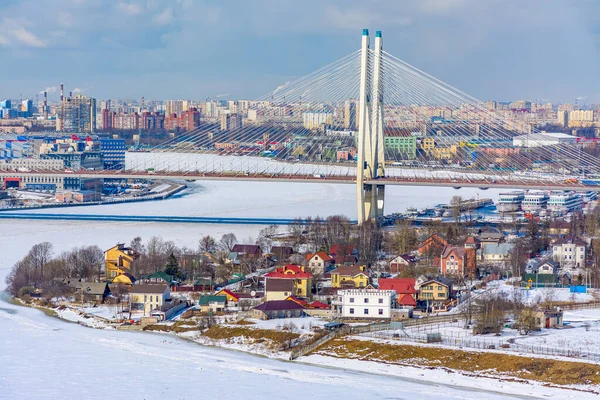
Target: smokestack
[70, 95]
[62, 92]
[45, 105]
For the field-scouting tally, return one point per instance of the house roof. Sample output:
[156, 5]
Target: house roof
[206, 299]
[297, 300]
[246, 248]
[279, 305]
[91, 288]
[406, 300]
[471, 240]
[458, 251]
[322, 255]
[282, 249]
[318, 304]
[435, 238]
[161, 275]
[491, 235]
[348, 270]
[230, 293]
[440, 279]
[119, 278]
[148, 289]
[497, 248]
[400, 285]
[279, 285]
[569, 240]
[406, 257]
[340, 249]
[289, 271]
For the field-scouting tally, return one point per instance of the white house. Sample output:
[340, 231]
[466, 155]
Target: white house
[496, 253]
[569, 252]
[148, 297]
[363, 303]
[319, 262]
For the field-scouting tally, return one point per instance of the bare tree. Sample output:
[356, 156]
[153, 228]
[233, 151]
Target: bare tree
[265, 238]
[227, 242]
[39, 255]
[207, 244]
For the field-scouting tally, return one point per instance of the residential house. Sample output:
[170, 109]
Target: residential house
[548, 318]
[453, 261]
[89, 291]
[434, 244]
[278, 309]
[398, 263]
[145, 297]
[491, 237]
[343, 254]
[493, 253]
[349, 276]
[569, 252]
[212, 303]
[278, 289]
[559, 227]
[539, 272]
[250, 251]
[231, 299]
[158, 277]
[435, 292]
[406, 294]
[302, 280]
[281, 253]
[318, 263]
[363, 303]
[118, 260]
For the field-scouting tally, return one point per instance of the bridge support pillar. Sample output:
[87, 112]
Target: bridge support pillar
[370, 142]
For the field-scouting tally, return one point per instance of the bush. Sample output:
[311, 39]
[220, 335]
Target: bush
[25, 291]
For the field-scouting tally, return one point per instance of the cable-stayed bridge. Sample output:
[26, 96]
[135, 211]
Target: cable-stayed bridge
[368, 119]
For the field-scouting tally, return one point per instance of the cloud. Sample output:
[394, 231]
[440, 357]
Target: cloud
[130, 8]
[16, 31]
[165, 17]
[49, 89]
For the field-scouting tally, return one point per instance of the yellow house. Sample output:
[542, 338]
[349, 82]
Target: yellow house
[349, 276]
[301, 279]
[146, 298]
[118, 260]
[444, 153]
[436, 291]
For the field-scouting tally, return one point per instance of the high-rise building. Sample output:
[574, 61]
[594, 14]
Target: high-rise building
[176, 107]
[350, 115]
[563, 118]
[520, 105]
[231, 122]
[581, 115]
[77, 114]
[315, 120]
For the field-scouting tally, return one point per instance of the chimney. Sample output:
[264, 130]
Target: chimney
[70, 95]
[62, 97]
[45, 105]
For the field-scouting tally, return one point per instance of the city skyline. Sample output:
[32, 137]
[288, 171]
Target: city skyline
[541, 51]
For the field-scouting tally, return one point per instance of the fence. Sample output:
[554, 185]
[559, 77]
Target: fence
[463, 339]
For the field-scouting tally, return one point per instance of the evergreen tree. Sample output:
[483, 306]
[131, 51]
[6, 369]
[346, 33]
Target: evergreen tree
[172, 267]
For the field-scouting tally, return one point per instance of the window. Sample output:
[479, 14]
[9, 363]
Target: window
[352, 311]
[381, 311]
[351, 299]
[380, 301]
[366, 299]
[366, 311]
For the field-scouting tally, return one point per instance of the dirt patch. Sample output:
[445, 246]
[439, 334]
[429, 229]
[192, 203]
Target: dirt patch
[219, 332]
[493, 364]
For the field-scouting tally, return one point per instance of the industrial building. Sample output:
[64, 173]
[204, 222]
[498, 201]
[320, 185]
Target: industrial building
[543, 139]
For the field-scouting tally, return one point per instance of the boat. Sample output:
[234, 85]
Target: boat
[510, 201]
[564, 202]
[535, 201]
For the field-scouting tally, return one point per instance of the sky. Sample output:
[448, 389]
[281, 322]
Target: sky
[544, 50]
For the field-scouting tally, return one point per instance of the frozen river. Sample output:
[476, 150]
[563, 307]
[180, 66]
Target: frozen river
[45, 358]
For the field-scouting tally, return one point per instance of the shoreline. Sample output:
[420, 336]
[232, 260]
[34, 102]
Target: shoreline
[454, 378]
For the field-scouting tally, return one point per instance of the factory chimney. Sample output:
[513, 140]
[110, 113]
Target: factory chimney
[45, 105]
[62, 93]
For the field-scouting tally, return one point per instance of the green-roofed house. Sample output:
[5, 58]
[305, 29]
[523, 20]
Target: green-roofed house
[212, 303]
[160, 277]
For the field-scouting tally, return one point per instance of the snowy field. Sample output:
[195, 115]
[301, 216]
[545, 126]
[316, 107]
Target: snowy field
[534, 296]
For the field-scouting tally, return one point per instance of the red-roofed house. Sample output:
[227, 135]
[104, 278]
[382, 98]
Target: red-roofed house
[318, 304]
[432, 245]
[319, 262]
[406, 294]
[301, 279]
[297, 300]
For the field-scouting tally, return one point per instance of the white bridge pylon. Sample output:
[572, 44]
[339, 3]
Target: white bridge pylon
[371, 155]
